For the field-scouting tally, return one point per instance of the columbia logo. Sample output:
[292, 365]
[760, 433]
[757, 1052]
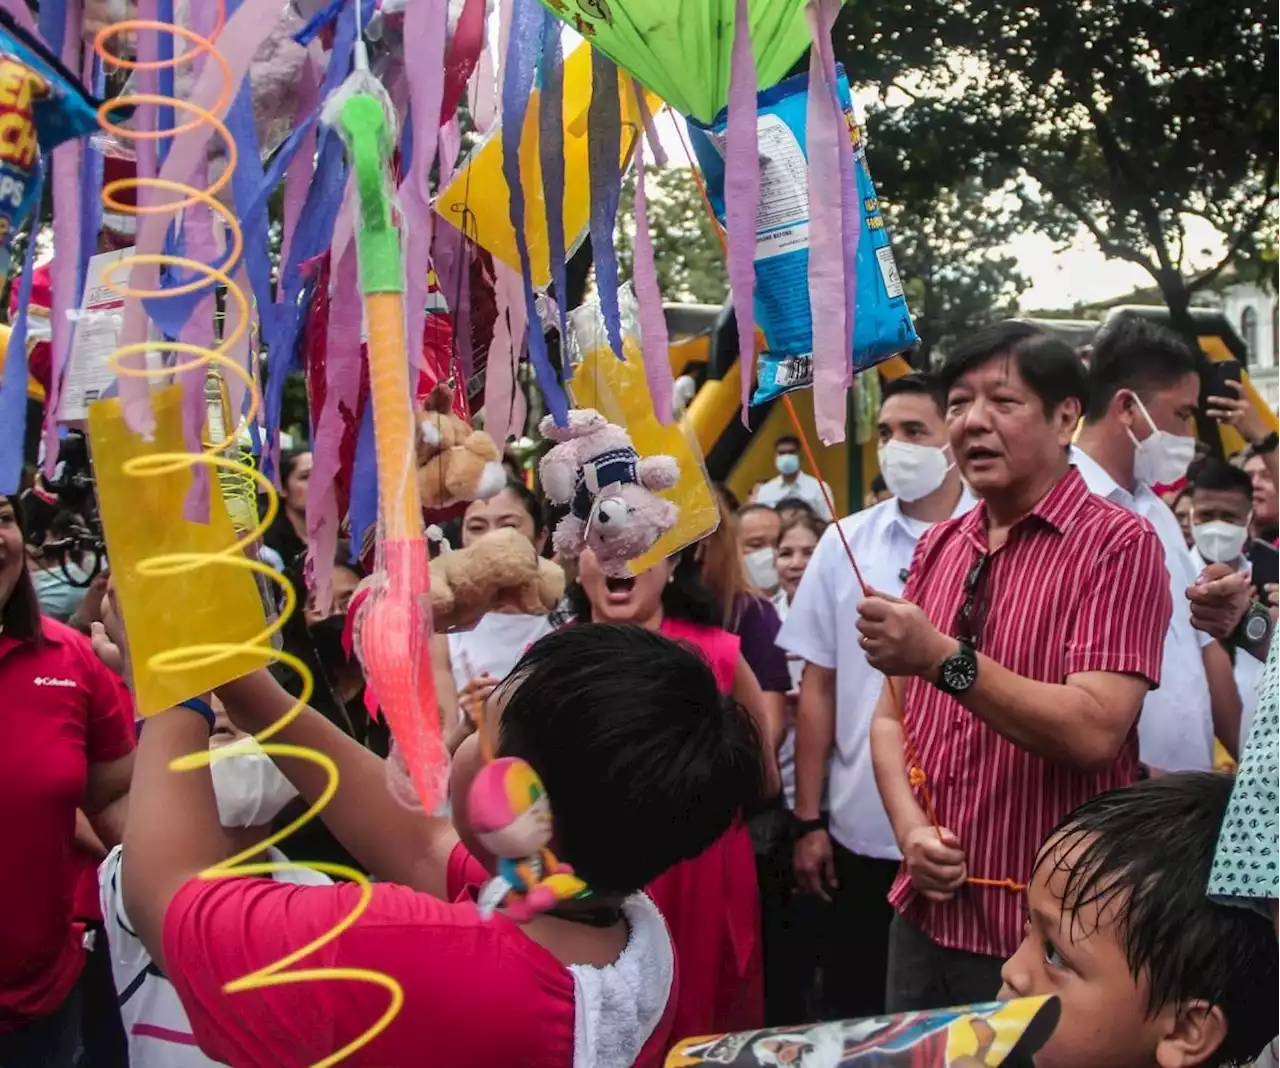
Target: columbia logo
[45, 680]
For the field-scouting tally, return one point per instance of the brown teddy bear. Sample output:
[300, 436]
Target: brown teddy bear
[500, 569]
[456, 464]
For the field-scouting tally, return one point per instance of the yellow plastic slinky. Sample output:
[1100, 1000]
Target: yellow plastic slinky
[222, 458]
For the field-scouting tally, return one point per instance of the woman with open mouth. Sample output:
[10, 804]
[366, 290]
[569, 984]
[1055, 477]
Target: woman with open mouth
[710, 902]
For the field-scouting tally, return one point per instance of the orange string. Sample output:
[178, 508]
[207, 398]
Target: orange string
[916, 776]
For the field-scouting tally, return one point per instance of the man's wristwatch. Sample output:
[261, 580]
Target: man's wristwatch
[958, 672]
[799, 827]
[1252, 627]
[1267, 445]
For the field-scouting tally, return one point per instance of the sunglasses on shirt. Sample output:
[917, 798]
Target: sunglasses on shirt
[973, 611]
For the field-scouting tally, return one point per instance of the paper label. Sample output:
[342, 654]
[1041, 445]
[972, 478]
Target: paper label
[889, 271]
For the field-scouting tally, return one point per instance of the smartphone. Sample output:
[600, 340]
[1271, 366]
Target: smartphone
[1224, 372]
[1265, 558]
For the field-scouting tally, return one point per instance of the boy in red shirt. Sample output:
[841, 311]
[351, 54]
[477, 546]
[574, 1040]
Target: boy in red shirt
[1150, 972]
[644, 764]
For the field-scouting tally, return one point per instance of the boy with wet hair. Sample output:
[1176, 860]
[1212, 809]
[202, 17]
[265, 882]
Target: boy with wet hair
[1148, 969]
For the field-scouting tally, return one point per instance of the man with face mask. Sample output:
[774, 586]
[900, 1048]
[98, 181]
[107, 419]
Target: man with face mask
[250, 791]
[1143, 391]
[792, 482]
[1221, 514]
[851, 857]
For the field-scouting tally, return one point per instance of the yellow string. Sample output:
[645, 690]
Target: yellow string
[204, 276]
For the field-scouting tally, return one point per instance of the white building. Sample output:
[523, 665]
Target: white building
[1253, 312]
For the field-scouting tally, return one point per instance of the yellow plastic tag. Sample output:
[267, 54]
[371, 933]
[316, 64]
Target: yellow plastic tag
[619, 391]
[477, 203]
[142, 517]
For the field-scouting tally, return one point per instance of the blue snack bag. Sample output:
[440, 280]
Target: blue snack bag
[882, 326]
[41, 106]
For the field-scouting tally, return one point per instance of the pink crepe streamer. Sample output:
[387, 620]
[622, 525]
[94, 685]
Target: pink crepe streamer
[202, 246]
[504, 405]
[342, 388]
[482, 93]
[450, 147]
[742, 195]
[650, 130]
[239, 42]
[298, 177]
[827, 280]
[653, 321]
[67, 161]
[22, 15]
[425, 26]
[239, 352]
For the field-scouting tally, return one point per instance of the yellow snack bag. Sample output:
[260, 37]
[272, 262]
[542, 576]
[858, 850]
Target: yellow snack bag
[142, 517]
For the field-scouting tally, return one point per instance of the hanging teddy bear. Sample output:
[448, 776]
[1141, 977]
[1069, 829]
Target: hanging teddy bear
[611, 491]
[456, 464]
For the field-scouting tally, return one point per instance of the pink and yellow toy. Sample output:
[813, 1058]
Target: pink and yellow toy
[510, 813]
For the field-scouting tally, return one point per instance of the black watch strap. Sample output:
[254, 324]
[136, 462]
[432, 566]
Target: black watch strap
[799, 827]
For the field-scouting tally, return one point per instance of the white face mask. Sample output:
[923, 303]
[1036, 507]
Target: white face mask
[249, 788]
[913, 471]
[1161, 459]
[787, 464]
[1218, 541]
[762, 567]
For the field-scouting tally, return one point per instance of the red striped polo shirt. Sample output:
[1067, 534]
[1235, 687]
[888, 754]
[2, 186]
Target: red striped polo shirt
[1079, 585]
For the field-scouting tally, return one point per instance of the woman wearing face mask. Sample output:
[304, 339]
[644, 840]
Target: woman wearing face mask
[469, 664]
[60, 577]
[251, 792]
[710, 902]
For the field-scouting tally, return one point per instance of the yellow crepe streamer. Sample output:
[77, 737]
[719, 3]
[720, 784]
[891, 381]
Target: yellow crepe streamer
[171, 469]
[477, 201]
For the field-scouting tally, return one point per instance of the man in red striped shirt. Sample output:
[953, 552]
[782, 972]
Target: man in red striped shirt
[1028, 635]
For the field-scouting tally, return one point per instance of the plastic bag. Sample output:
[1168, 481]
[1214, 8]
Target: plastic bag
[882, 324]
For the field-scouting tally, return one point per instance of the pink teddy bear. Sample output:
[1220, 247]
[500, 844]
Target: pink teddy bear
[609, 487]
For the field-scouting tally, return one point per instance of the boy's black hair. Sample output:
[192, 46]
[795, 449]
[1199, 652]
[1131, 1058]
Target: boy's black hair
[794, 504]
[530, 502]
[1148, 850]
[878, 485]
[1217, 475]
[916, 384]
[646, 763]
[786, 439]
[1135, 353]
[1049, 366]
[686, 597]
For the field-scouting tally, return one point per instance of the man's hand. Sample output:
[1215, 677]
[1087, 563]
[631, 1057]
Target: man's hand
[935, 862]
[1219, 600]
[815, 865]
[108, 637]
[1240, 413]
[898, 638]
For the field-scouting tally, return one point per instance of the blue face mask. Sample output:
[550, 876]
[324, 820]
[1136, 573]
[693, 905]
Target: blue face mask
[788, 463]
[58, 597]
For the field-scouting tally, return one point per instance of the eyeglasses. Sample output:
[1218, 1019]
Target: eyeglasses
[973, 612]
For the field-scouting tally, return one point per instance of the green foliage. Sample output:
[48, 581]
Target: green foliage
[1125, 117]
[686, 249]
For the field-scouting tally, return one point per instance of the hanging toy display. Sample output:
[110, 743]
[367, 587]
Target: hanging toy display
[510, 814]
[610, 489]
[499, 570]
[456, 464]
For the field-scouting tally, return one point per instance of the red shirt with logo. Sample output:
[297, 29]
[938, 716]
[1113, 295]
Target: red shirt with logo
[61, 710]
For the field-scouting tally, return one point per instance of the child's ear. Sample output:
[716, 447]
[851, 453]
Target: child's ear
[1195, 1031]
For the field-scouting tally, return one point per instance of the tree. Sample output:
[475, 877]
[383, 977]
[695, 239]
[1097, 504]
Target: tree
[686, 249]
[1125, 117]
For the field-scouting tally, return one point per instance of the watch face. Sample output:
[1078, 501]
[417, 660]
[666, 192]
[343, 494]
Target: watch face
[1255, 627]
[959, 673]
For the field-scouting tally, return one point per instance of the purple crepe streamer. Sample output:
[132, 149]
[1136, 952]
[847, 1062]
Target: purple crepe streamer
[90, 178]
[828, 280]
[742, 195]
[240, 39]
[66, 171]
[22, 15]
[237, 391]
[363, 511]
[504, 406]
[551, 159]
[342, 390]
[646, 120]
[297, 175]
[13, 380]
[604, 145]
[653, 321]
[426, 25]
[450, 147]
[525, 41]
[448, 258]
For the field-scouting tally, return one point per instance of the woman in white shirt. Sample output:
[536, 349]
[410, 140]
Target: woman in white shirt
[469, 664]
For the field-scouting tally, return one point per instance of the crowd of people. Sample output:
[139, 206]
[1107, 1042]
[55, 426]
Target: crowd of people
[958, 745]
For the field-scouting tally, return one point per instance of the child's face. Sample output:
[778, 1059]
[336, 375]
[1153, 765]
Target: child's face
[1081, 959]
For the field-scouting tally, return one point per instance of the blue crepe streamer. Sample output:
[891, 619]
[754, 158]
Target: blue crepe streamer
[316, 23]
[551, 157]
[281, 323]
[527, 28]
[13, 384]
[244, 179]
[90, 188]
[165, 119]
[362, 512]
[53, 24]
[604, 143]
